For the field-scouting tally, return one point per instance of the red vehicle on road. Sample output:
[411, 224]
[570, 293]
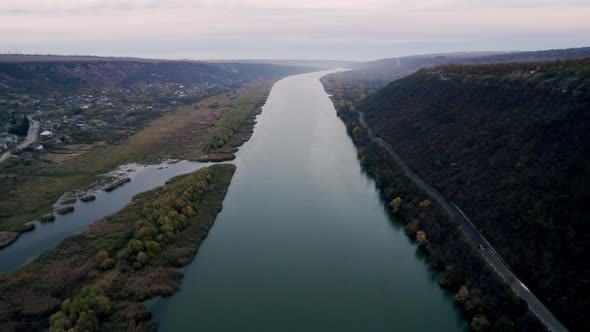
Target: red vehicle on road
[481, 247]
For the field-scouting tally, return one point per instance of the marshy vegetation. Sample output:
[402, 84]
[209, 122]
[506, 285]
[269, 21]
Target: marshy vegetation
[88, 198]
[48, 217]
[175, 135]
[119, 262]
[116, 184]
[238, 119]
[65, 209]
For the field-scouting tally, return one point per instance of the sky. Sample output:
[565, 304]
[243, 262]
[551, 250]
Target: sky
[289, 29]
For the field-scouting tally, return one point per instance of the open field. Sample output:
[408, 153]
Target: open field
[69, 152]
[32, 186]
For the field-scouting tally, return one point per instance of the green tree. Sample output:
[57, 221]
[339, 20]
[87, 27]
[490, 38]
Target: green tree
[135, 246]
[504, 324]
[87, 322]
[20, 128]
[59, 322]
[143, 258]
[152, 248]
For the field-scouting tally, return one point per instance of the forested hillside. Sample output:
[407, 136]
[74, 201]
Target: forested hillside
[381, 72]
[510, 145]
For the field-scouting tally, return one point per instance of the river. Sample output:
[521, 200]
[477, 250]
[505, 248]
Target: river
[47, 235]
[304, 242]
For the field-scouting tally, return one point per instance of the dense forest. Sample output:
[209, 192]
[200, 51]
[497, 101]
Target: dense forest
[509, 144]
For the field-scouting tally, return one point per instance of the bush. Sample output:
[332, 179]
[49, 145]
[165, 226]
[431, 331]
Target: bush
[83, 312]
[107, 264]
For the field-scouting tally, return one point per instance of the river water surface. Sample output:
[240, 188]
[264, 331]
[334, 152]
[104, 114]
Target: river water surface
[304, 242]
[47, 235]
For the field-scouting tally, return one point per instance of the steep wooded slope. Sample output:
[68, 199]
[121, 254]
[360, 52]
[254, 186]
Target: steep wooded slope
[510, 145]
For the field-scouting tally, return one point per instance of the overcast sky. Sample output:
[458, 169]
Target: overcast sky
[289, 29]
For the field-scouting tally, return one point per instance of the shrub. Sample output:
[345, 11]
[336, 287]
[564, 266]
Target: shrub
[83, 313]
[102, 255]
[107, 264]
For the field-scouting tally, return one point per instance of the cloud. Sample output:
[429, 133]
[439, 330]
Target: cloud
[87, 7]
[228, 27]
[35, 7]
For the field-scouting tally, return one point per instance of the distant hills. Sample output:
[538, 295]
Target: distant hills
[11, 58]
[33, 74]
[386, 70]
[46, 73]
[319, 64]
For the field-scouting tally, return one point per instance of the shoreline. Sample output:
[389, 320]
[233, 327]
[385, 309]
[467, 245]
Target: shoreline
[112, 179]
[82, 252]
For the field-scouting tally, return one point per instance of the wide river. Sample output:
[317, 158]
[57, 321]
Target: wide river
[304, 242]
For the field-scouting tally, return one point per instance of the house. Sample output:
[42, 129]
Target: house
[46, 134]
[38, 147]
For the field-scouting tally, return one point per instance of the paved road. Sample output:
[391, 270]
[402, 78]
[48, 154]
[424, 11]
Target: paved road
[490, 254]
[31, 137]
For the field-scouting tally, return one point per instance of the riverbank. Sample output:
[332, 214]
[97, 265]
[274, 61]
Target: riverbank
[32, 185]
[484, 298]
[234, 128]
[119, 261]
[7, 237]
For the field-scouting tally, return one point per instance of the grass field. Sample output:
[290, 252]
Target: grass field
[30, 186]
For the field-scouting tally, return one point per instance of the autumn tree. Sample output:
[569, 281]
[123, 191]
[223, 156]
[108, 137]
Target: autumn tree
[413, 227]
[421, 236]
[425, 203]
[395, 204]
[480, 323]
[462, 295]
[102, 255]
[104, 261]
[107, 264]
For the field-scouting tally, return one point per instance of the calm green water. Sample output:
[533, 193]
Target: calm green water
[304, 242]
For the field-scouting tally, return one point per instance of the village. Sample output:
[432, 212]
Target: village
[92, 115]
